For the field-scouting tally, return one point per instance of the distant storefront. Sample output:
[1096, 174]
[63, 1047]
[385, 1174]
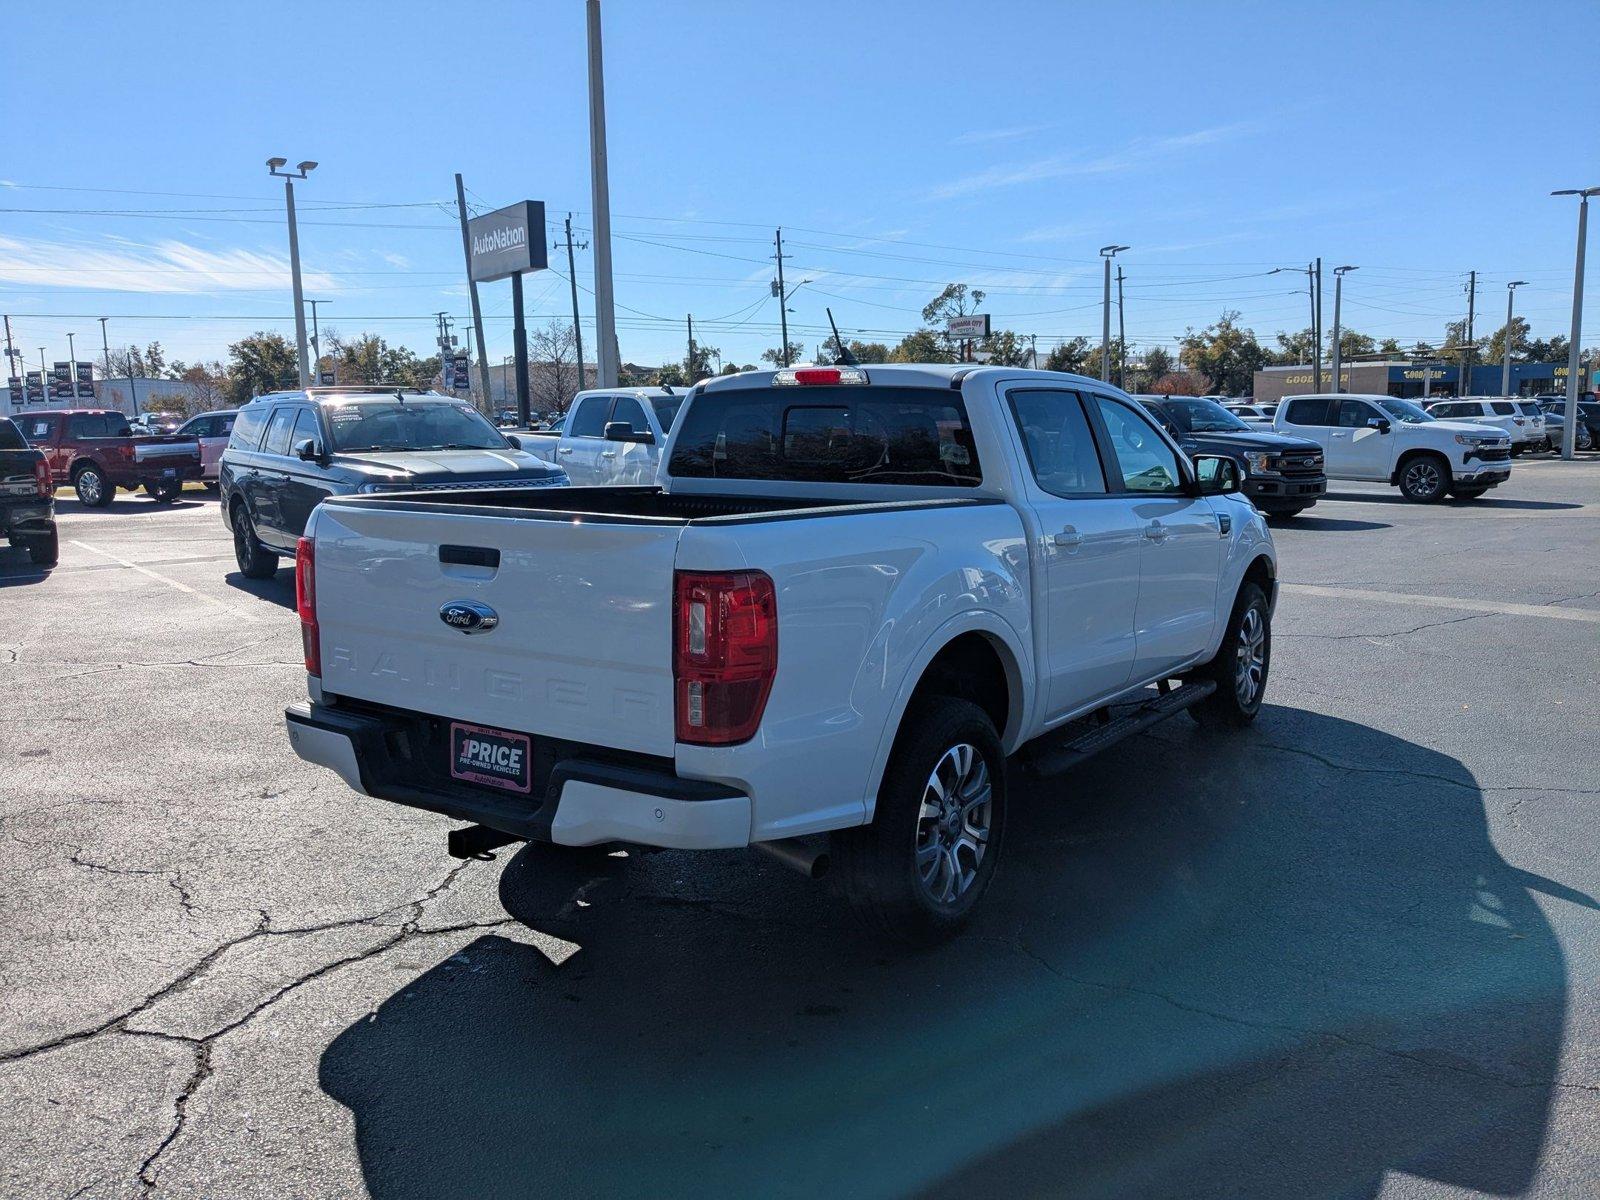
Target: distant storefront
[1407, 379]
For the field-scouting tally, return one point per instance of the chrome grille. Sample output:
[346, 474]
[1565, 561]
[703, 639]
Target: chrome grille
[489, 484]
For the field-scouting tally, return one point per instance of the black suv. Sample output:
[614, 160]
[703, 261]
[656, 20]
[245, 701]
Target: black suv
[1283, 476]
[289, 450]
[27, 504]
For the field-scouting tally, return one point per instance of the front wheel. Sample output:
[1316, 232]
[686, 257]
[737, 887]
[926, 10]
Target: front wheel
[45, 550]
[920, 868]
[1425, 479]
[1241, 665]
[255, 560]
[1584, 439]
[94, 487]
[1468, 493]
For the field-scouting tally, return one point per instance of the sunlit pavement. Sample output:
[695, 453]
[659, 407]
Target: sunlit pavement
[1354, 951]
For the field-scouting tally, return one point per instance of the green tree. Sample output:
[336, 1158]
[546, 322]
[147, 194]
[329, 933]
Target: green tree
[921, 346]
[957, 300]
[1226, 354]
[1294, 348]
[700, 366]
[1553, 351]
[797, 353]
[262, 362]
[1353, 345]
[671, 375]
[1076, 356]
[1155, 364]
[1496, 349]
[1006, 349]
[1389, 346]
[862, 352]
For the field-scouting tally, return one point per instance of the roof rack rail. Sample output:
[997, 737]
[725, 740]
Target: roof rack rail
[384, 389]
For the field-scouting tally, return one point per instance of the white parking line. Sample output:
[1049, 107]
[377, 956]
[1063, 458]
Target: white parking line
[171, 583]
[1500, 607]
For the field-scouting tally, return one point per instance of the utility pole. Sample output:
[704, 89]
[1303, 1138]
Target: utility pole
[1107, 253]
[519, 346]
[783, 304]
[605, 323]
[1316, 318]
[12, 370]
[1465, 388]
[1570, 426]
[133, 392]
[1122, 337]
[572, 279]
[1338, 351]
[1033, 341]
[316, 341]
[1505, 358]
[472, 291]
[301, 170]
[72, 357]
[688, 363]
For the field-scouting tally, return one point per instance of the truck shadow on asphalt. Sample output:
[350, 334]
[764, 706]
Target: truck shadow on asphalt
[279, 589]
[1489, 501]
[1328, 524]
[17, 569]
[1278, 963]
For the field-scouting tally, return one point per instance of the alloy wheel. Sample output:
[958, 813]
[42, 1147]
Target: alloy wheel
[89, 487]
[953, 825]
[1251, 664]
[1422, 478]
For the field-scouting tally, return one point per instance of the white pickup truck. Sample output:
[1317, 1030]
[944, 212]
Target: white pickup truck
[610, 436]
[852, 595]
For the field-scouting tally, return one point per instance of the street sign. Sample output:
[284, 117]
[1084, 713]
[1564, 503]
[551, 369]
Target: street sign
[85, 381]
[35, 387]
[325, 378]
[508, 241]
[968, 328]
[61, 381]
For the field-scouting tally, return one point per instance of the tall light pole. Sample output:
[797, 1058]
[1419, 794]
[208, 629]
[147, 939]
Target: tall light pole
[316, 339]
[301, 170]
[1570, 431]
[1505, 361]
[1310, 272]
[72, 357]
[1338, 290]
[1122, 336]
[1107, 253]
[605, 323]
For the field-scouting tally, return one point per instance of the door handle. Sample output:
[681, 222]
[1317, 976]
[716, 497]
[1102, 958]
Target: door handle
[563, 449]
[1069, 538]
[1340, 435]
[608, 454]
[1156, 531]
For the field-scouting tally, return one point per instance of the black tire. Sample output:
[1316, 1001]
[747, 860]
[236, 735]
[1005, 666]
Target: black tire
[1583, 440]
[1425, 479]
[45, 550]
[1283, 514]
[1468, 493]
[917, 876]
[1241, 666]
[94, 487]
[255, 560]
[164, 493]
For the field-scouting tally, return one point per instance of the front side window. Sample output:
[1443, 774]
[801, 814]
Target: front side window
[837, 434]
[667, 408]
[589, 418]
[1446, 410]
[11, 436]
[1310, 410]
[372, 425]
[1354, 414]
[1146, 462]
[630, 410]
[277, 440]
[305, 426]
[1406, 412]
[1201, 416]
[1058, 443]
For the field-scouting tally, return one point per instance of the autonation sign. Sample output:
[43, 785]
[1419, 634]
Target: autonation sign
[508, 241]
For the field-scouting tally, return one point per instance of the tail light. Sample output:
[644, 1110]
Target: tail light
[724, 654]
[42, 480]
[305, 603]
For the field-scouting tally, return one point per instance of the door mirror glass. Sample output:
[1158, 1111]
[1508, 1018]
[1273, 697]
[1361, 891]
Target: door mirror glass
[1216, 474]
[307, 450]
[622, 431]
[516, 442]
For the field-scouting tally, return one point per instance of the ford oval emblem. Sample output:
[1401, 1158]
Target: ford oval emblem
[469, 616]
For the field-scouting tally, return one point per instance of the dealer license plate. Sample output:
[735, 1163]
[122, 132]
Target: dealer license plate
[492, 757]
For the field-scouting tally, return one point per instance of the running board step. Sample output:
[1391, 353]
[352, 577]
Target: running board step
[1052, 759]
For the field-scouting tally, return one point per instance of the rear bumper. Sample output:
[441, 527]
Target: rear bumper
[26, 520]
[583, 801]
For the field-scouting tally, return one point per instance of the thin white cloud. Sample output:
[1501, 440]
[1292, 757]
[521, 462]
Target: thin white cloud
[1139, 153]
[979, 137]
[1057, 233]
[397, 260]
[169, 266]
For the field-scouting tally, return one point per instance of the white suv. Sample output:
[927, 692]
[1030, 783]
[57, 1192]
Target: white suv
[1526, 432]
[1390, 440]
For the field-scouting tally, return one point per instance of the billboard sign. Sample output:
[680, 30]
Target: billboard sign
[508, 241]
[968, 328]
[61, 381]
[85, 381]
[14, 385]
[325, 378]
[457, 374]
[35, 387]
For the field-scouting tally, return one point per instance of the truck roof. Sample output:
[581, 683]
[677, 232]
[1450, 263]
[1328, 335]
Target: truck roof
[902, 375]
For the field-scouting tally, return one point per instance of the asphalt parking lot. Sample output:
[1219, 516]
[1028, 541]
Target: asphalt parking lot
[1354, 951]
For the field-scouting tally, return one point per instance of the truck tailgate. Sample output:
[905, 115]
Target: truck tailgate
[583, 645]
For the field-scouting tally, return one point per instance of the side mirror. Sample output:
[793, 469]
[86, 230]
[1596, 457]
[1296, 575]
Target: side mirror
[307, 450]
[621, 431]
[1381, 424]
[516, 442]
[1216, 474]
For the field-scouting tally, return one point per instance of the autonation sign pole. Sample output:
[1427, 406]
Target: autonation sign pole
[510, 242]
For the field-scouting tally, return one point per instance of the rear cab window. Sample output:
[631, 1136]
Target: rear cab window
[915, 436]
[97, 425]
[1309, 410]
[10, 436]
[589, 418]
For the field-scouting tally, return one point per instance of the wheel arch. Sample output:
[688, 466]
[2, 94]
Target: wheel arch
[1415, 453]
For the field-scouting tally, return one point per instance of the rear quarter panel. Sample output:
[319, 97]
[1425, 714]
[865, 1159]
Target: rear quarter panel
[865, 600]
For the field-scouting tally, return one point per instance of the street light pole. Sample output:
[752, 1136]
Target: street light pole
[316, 339]
[72, 357]
[1570, 430]
[1122, 336]
[605, 324]
[1338, 291]
[301, 170]
[1505, 361]
[1107, 253]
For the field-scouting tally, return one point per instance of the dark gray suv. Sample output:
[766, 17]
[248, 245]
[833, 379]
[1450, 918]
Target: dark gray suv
[289, 450]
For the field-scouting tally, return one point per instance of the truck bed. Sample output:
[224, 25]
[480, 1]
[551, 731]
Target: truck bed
[630, 505]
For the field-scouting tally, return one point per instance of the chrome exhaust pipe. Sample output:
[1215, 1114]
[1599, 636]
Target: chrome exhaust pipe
[809, 856]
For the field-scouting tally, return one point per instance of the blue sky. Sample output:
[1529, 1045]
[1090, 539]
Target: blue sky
[900, 145]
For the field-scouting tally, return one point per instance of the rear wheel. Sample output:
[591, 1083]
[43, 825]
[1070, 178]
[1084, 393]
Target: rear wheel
[45, 550]
[1425, 479]
[921, 867]
[165, 492]
[94, 487]
[255, 560]
[1584, 440]
[1241, 665]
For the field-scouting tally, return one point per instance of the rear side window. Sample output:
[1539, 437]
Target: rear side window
[11, 436]
[97, 425]
[277, 439]
[38, 429]
[1503, 408]
[247, 428]
[848, 434]
[1309, 410]
[589, 420]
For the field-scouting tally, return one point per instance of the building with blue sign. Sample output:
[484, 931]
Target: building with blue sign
[1414, 380]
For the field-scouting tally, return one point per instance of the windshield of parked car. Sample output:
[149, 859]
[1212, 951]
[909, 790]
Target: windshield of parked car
[1404, 411]
[1202, 416]
[369, 425]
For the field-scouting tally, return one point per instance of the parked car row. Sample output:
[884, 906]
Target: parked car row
[97, 452]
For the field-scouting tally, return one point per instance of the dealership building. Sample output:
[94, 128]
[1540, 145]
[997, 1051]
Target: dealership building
[1405, 378]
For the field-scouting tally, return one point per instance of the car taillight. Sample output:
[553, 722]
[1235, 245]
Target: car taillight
[305, 603]
[815, 376]
[724, 654]
[42, 480]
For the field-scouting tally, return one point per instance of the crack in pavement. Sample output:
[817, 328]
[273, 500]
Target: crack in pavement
[1398, 772]
[1376, 637]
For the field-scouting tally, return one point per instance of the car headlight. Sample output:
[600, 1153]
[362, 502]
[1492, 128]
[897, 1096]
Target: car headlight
[1470, 439]
[366, 489]
[1258, 461]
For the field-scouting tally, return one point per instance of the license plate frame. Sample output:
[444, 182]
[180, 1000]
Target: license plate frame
[489, 757]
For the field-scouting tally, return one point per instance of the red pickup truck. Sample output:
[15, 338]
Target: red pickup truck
[94, 450]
